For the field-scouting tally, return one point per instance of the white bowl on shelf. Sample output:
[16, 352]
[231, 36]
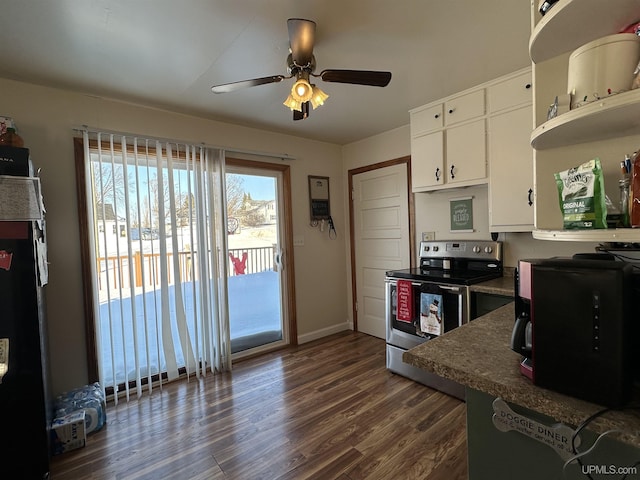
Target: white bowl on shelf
[602, 68]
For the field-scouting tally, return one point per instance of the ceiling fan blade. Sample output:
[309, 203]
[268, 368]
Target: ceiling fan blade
[302, 36]
[357, 77]
[230, 87]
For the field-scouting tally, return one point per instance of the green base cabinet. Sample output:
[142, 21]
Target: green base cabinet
[498, 455]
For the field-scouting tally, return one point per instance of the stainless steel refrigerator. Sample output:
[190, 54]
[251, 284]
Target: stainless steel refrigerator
[25, 393]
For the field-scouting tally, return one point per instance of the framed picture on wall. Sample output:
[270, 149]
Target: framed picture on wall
[461, 215]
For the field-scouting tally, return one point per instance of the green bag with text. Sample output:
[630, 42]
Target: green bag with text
[582, 197]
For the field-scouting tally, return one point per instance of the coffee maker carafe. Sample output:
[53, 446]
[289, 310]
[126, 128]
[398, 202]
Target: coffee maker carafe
[522, 335]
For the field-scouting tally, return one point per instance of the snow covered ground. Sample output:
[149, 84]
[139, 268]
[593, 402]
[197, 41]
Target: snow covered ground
[254, 308]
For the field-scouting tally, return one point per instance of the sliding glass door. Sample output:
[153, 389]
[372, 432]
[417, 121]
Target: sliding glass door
[257, 286]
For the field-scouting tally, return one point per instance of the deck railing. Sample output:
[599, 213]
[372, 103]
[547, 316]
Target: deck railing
[114, 270]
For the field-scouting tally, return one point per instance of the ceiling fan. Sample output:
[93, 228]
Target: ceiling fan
[301, 64]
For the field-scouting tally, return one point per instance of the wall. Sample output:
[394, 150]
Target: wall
[45, 118]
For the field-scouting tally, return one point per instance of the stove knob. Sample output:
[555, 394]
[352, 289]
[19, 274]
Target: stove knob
[488, 249]
[426, 248]
[476, 249]
[435, 248]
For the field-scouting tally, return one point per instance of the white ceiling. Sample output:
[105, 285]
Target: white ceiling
[168, 54]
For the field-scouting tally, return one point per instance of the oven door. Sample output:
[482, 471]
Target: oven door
[427, 310]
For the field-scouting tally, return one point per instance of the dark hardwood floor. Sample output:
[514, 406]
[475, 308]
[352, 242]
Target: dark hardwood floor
[324, 410]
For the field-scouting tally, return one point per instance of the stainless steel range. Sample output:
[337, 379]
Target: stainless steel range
[430, 300]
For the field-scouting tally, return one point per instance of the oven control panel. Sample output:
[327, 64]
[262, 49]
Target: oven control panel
[483, 250]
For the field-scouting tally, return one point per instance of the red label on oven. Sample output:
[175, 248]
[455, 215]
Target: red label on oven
[404, 291]
[5, 260]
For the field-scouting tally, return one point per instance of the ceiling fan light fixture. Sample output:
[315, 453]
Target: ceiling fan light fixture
[302, 90]
[292, 103]
[318, 97]
[301, 65]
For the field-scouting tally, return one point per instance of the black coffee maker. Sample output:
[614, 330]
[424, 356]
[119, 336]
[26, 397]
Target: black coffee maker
[574, 326]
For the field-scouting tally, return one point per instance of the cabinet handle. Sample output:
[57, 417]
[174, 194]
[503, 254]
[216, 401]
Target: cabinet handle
[452, 175]
[437, 174]
[527, 86]
[530, 202]
[437, 115]
[451, 110]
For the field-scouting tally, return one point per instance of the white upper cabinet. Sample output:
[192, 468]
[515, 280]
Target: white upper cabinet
[427, 161]
[427, 119]
[513, 92]
[464, 107]
[510, 154]
[466, 160]
[511, 178]
[448, 143]
[479, 136]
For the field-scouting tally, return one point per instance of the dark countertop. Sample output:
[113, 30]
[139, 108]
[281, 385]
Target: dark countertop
[499, 286]
[478, 355]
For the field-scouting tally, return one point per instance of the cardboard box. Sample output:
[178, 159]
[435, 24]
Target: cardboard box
[68, 433]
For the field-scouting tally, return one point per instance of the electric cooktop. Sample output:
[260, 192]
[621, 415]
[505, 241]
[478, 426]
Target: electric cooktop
[455, 262]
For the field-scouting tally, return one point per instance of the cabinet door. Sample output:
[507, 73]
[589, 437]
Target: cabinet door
[510, 93]
[464, 107]
[511, 171]
[466, 152]
[426, 120]
[427, 161]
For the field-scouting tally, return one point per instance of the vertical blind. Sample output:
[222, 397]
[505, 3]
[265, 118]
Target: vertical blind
[158, 239]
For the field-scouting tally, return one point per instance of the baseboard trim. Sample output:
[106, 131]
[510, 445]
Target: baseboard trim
[323, 332]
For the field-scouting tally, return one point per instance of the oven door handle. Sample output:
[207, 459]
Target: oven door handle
[395, 282]
[451, 289]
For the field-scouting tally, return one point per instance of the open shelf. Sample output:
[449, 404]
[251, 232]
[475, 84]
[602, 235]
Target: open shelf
[610, 117]
[624, 235]
[570, 24]
[606, 127]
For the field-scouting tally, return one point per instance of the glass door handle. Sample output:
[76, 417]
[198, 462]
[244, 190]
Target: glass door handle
[278, 260]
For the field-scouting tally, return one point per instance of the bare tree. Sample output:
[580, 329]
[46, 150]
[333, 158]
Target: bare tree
[235, 194]
[110, 184]
[185, 206]
[109, 187]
